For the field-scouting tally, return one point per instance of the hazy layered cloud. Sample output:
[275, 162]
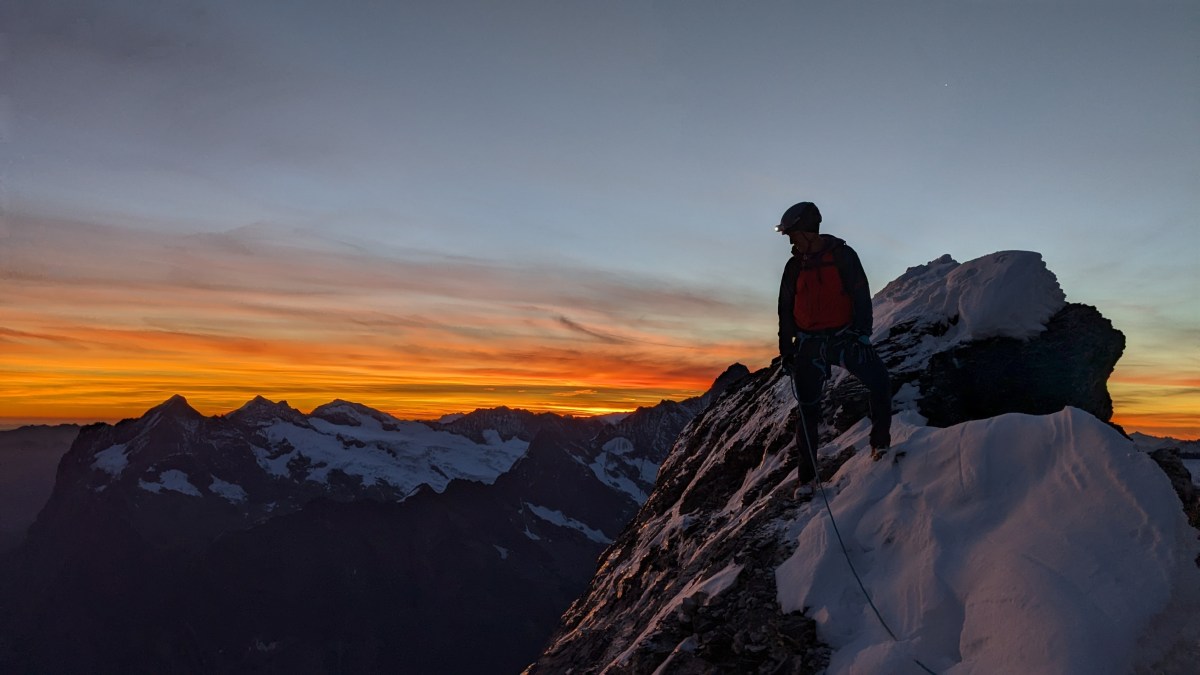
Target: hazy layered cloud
[101, 317]
[95, 308]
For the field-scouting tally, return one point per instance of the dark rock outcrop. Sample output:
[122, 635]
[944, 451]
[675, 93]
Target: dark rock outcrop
[1168, 459]
[260, 411]
[627, 622]
[1068, 364]
[505, 421]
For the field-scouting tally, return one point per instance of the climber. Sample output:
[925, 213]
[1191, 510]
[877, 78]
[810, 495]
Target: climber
[825, 320]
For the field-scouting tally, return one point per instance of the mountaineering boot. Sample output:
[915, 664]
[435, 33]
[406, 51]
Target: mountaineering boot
[881, 440]
[804, 491]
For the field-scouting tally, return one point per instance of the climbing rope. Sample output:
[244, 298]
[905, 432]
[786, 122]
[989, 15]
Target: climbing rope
[812, 455]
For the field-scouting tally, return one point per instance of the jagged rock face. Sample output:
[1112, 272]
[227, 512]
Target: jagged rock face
[506, 422]
[141, 472]
[260, 412]
[690, 583]
[689, 586]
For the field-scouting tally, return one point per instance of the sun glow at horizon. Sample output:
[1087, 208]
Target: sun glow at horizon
[100, 323]
[79, 378]
[76, 380]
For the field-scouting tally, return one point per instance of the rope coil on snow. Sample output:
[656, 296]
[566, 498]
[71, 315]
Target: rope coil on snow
[812, 455]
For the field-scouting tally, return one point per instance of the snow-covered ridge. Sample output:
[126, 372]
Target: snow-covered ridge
[1018, 543]
[403, 455]
[339, 441]
[1014, 544]
[1005, 294]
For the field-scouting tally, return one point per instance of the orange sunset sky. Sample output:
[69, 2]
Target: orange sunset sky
[106, 322]
[102, 323]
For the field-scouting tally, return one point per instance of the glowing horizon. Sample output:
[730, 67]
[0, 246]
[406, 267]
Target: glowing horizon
[1178, 423]
[103, 323]
[107, 322]
[1130, 412]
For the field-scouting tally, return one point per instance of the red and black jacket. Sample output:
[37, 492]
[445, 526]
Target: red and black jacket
[827, 303]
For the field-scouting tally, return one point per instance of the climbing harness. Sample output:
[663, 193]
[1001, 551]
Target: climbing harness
[812, 455]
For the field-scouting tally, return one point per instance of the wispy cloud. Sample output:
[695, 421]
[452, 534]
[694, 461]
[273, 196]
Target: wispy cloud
[101, 321]
[103, 318]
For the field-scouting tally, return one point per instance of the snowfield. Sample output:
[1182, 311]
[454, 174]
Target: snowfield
[404, 455]
[1016, 544]
[113, 460]
[171, 481]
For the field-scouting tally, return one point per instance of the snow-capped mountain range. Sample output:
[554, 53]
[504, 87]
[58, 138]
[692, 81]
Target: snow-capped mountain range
[159, 524]
[340, 449]
[1021, 533]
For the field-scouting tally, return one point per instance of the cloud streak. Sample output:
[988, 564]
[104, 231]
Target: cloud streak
[103, 320]
[100, 321]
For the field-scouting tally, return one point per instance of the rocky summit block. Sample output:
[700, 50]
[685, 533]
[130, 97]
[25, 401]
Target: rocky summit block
[957, 352]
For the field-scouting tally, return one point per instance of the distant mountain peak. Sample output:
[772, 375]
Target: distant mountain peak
[176, 407]
[351, 414]
[734, 372]
[261, 410]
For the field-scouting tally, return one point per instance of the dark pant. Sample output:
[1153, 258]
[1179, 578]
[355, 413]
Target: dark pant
[814, 356]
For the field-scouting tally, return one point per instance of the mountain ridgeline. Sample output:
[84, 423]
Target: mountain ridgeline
[1010, 529]
[344, 540]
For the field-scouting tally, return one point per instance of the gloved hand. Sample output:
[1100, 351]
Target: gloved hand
[789, 362]
[861, 338]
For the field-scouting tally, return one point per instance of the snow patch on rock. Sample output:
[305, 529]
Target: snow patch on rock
[172, 480]
[562, 520]
[112, 460]
[232, 493]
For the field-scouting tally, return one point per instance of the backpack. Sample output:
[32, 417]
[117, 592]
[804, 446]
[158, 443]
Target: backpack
[822, 303]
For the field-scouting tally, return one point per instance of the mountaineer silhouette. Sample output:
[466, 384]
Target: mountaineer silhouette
[825, 320]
